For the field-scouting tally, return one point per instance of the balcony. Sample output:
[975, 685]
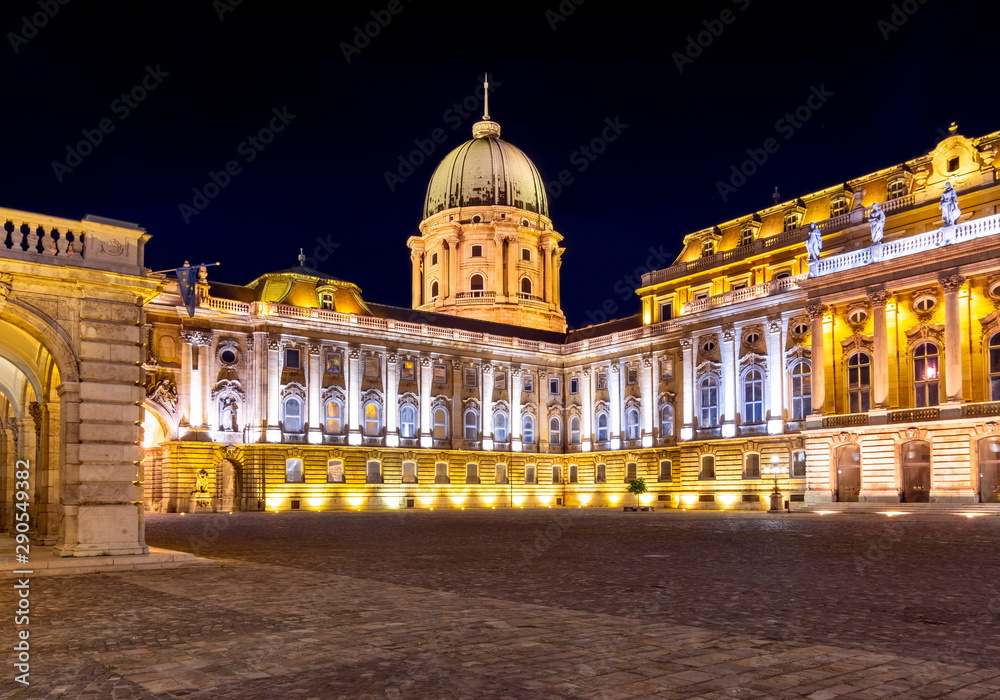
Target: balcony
[908, 415]
[754, 429]
[477, 297]
[746, 294]
[845, 420]
[972, 410]
[707, 433]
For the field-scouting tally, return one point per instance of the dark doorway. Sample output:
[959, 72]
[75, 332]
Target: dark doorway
[916, 461]
[989, 462]
[848, 481]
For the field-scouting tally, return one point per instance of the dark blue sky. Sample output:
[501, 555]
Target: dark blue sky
[321, 181]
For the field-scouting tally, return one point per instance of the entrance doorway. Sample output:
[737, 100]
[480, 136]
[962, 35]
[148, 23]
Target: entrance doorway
[848, 482]
[989, 463]
[916, 461]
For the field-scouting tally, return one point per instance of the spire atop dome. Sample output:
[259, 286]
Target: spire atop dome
[302, 257]
[486, 129]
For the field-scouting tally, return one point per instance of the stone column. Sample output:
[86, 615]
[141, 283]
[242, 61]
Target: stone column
[952, 338]
[391, 402]
[453, 286]
[272, 386]
[816, 311]
[486, 403]
[546, 273]
[513, 256]
[457, 412]
[776, 375]
[880, 371]
[730, 390]
[687, 389]
[314, 405]
[556, 266]
[615, 394]
[184, 381]
[498, 265]
[647, 387]
[205, 375]
[515, 409]
[417, 277]
[426, 382]
[587, 401]
[353, 388]
[256, 415]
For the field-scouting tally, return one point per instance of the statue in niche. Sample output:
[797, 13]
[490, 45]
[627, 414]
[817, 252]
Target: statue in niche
[229, 414]
[201, 483]
[814, 244]
[949, 205]
[876, 219]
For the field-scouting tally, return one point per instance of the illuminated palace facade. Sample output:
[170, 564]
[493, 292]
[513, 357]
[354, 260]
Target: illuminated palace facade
[843, 345]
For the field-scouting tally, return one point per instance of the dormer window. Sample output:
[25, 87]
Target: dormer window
[707, 248]
[746, 236]
[792, 220]
[326, 301]
[953, 164]
[838, 206]
[897, 188]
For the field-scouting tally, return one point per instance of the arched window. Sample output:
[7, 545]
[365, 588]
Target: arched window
[666, 420]
[555, 431]
[631, 471]
[525, 285]
[601, 474]
[409, 472]
[326, 301]
[500, 426]
[602, 427]
[441, 473]
[995, 367]
[801, 377]
[666, 470]
[373, 471]
[476, 283]
[529, 474]
[408, 421]
[751, 465]
[574, 430]
[293, 471]
[925, 374]
[500, 474]
[574, 474]
[335, 471]
[292, 415]
[632, 424]
[916, 463]
[708, 398]
[556, 474]
[434, 289]
[753, 396]
[859, 382]
[471, 424]
[472, 473]
[440, 416]
[334, 417]
[528, 429]
[373, 419]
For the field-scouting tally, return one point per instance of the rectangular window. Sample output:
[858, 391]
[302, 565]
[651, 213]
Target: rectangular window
[666, 310]
[529, 474]
[373, 472]
[701, 295]
[707, 472]
[554, 389]
[529, 383]
[293, 471]
[476, 251]
[441, 473]
[440, 374]
[471, 473]
[666, 470]
[500, 474]
[799, 463]
[408, 371]
[434, 258]
[371, 366]
[334, 362]
[601, 474]
[751, 466]
[574, 385]
[632, 376]
[409, 472]
[293, 358]
[667, 368]
[335, 471]
[574, 474]
[602, 381]
[500, 381]
[556, 474]
[469, 373]
[631, 471]
[526, 254]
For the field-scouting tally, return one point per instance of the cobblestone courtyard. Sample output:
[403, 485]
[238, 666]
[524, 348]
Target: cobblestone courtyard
[532, 604]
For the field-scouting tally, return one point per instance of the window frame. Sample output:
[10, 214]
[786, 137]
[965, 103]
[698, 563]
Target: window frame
[859, 382]
[800, 388]
[369, 422]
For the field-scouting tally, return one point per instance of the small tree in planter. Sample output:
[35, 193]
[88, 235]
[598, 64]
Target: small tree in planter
[636, 487]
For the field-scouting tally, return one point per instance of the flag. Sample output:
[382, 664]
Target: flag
[186, 278]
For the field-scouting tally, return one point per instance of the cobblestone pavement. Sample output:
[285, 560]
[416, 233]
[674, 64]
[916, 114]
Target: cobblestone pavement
[531, 604]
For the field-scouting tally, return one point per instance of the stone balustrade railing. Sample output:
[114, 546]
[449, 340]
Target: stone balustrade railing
[92, 242]
[740, 295]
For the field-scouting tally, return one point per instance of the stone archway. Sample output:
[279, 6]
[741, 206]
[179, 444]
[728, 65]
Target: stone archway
[228, 486]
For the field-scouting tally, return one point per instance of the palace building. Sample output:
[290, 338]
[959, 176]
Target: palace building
[843, 345]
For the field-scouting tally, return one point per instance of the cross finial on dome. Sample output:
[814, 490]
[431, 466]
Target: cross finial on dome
[302, 258]
[486, 97]
[486, 129]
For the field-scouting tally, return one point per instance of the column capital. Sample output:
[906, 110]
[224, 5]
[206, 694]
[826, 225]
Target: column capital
[686, 343]
[952, 283]
[879, 297]
[816, 310]
[729, 332]
[774, 324]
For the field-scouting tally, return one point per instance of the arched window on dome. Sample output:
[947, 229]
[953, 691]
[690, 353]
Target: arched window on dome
[526, 286]
[476, 283]
[434, 289]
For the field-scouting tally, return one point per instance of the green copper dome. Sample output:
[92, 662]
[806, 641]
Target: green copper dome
[486, 171]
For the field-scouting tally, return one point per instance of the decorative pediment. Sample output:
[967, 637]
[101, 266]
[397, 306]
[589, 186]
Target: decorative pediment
[371, 395]
[573, 410]
[408, 398]
[926, 331]
[858, 343]
[529, 407]
[501, 407]
[293, 389]
[600, 406]
[989, 325]
[666, 397]
[752, 359]
[336, 454]
[228, 386]
[633, 402]
[708, 367]
[912, 433]
[440, 401]
[845, 436]
[332, 392]
[471, 402]
[796, 353]
[373, 455]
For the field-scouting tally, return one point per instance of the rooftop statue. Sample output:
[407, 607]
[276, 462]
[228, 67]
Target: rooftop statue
[876, 219]
[949, 205]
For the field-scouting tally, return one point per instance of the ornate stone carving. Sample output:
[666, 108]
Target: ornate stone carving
[774, 325]
[728, 332]
[391, 357]
[6, 285]
[354, 354]
[952, 283]
[647, 362]
[685, 343]
[164, 392]
[273, 344]
[816, 310]
[425, 362]
[879, 297]
[314, 349]
[487, 368]
[949, 205]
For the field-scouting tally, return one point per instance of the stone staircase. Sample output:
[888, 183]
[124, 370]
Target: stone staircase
[985, 509]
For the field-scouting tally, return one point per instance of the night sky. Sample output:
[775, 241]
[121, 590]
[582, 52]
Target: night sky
[892, 77]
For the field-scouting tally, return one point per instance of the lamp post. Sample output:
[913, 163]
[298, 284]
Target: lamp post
[776, 504]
